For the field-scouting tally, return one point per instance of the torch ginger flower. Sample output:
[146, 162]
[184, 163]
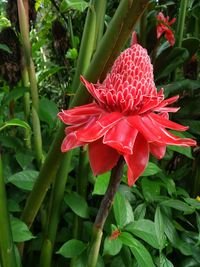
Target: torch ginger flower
[129, 117]
[163, 27]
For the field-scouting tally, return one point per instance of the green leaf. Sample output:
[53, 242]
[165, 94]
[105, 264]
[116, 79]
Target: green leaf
[178, 205]
[191, 44]
[72, 248]
[141, 254]
[159, 228]
[20, 230]
[140, 211]
[15, 122]
[48, 111]
[122, 210]
[151, 169]
[164, 262]
[24, 179]
[186, 151]
[79, 5]
[77, 204]
[5, 48]
[150, 189]
[24, 159]
[144, 229]
[72, 53]
[44, 74]
[173, 57]
[13, 206]
[194, 125]
[112, 246]
[101, 184]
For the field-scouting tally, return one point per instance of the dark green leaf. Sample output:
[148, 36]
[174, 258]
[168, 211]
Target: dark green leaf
[164, 262]
[178, 205]
[150, 189]
[5, 48]
[24, 179]
[151, 169]
[194, 125]
[141, 254]
[122, 210]
[159, 228]
[15, 122]
[140, 211]
[77, 204]
[72, 248]
[47, 111]
[24, 159]
[191, 44]
[144, 229]
[48, 73]
[186, 151]
[20, 230]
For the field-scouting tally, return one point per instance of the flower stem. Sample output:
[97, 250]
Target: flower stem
[100, 7]
[7, 253]
[103, 57]
[103, 212]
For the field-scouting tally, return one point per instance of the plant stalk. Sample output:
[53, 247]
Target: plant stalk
[7, 253]
[106, 53]
[103, 212]
[181, 21]
[100, 7]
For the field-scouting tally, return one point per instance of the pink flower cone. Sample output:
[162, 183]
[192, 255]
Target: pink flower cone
[163, 28]
[129, 117]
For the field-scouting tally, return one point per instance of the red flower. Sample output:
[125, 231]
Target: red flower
[129, 117]
[163, 27]
[115, 234]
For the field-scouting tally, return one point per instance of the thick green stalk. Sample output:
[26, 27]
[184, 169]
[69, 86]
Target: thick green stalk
[106, 53]
[24, 29]
[54, 214]
[7, 253]
[181, 21]
[87, 45]
[103, 212]
[100, 7]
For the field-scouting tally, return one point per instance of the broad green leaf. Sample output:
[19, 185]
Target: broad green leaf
[13, 206]
[122, 210]
[193, 202]
[194, 125]
[164, 262]
[144, 229]
[159, 228]
[101, 184]
[72, 248]
[77, 204]
[141, 254]
[5, 48]
[191, 44]
[20, 230]
[150, 189]
[48, 111]
[79, 5]
[187, 151]
[178, 205]
[117, 262]
[15, 122]
[44, 74]
[151, 169]
[24, 159]
[24, 179]
[173, 57]
[140, 211]
[112, 246]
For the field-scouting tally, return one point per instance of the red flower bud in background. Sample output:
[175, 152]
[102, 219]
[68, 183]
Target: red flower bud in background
[129, 117]
[163, 24]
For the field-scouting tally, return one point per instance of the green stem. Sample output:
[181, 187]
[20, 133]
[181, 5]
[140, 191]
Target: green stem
[106, 53]
[181, 21]
[100, 7]
[7, 253]
[24, 29]
[54, 214]
[143, 25]
[103, 212]
[87, 45]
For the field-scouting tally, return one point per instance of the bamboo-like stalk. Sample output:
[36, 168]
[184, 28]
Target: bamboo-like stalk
[100, 7]
[54, 212]
[115, 37]
[7, 253]
[181, 21]
[24, 30]
[87, 45]
[103, 212]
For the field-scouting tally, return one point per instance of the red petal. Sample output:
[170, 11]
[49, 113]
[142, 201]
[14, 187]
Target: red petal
[102, 157]
[80, 114]
[138, 160]
[90, 87]
[121, 137]
[157, 151]
[167, 123]
[99, 127]
[70, 142]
